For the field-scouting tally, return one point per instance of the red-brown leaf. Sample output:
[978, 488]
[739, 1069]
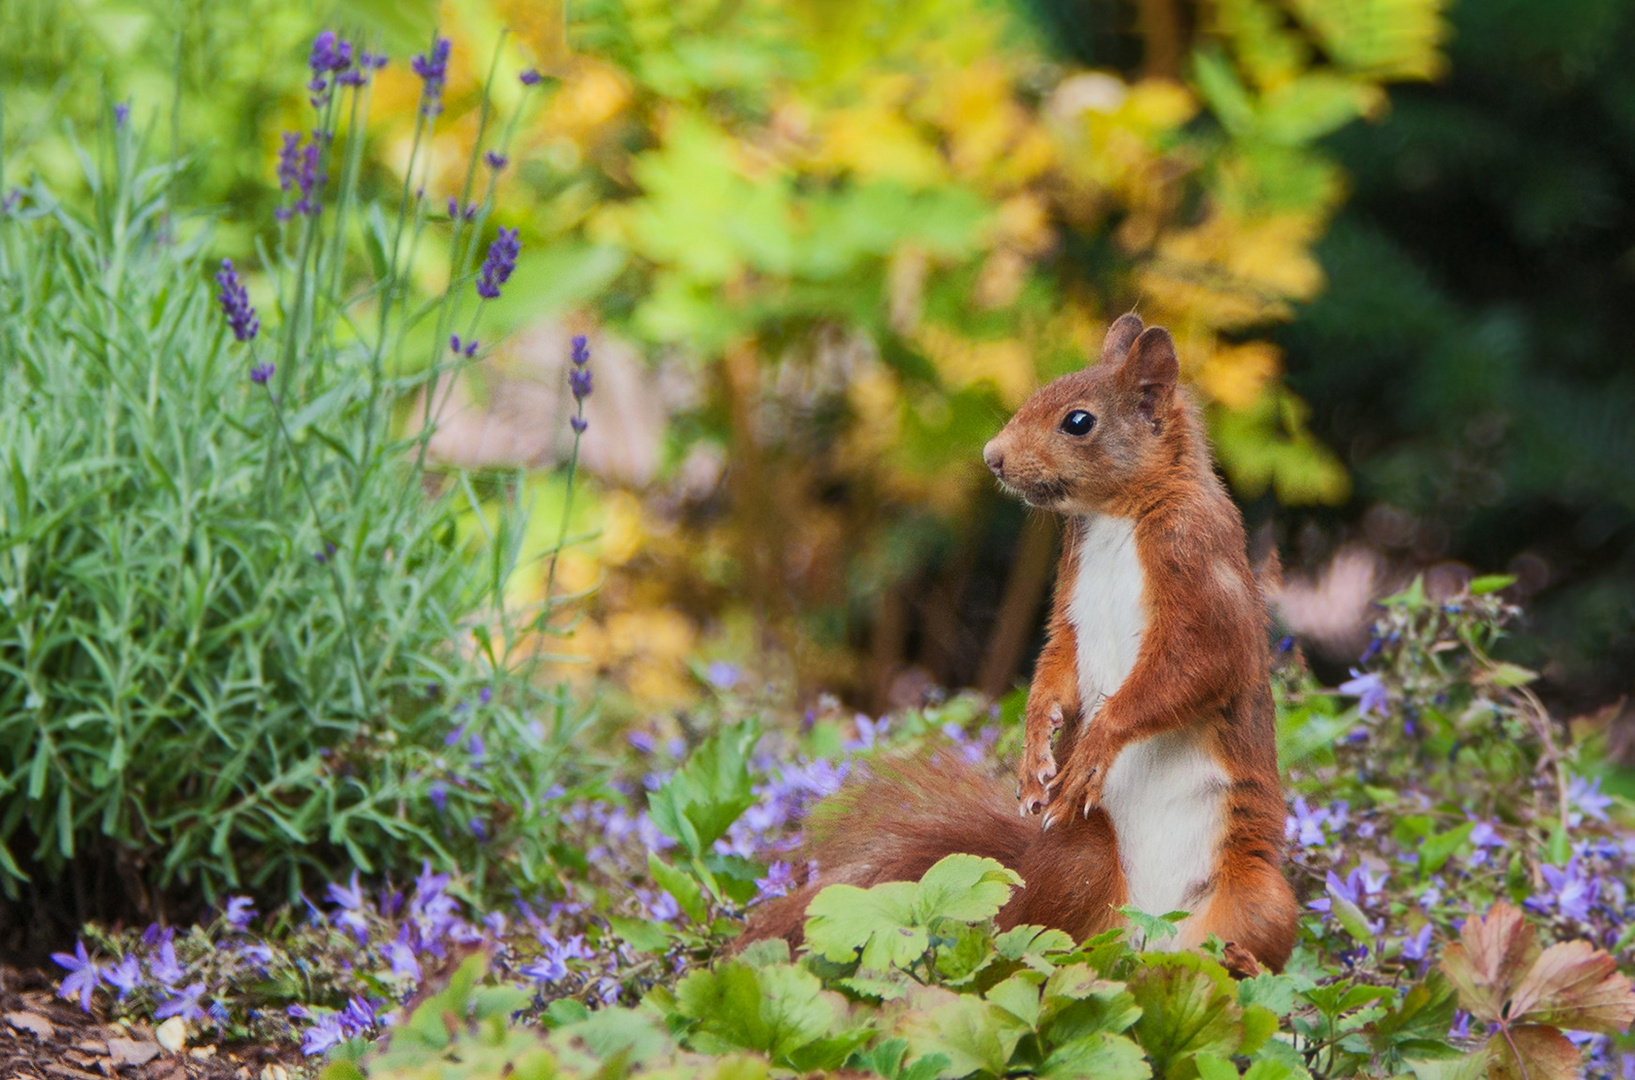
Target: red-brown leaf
[1576, 986]
[1493, 954]
[1532, 1053]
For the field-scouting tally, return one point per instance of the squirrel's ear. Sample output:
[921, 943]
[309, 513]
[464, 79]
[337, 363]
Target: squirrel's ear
[1120, 336]
[1152, 368]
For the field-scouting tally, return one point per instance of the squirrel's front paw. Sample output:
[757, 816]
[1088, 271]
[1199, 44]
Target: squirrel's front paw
[1080, 785]
[1038, 769]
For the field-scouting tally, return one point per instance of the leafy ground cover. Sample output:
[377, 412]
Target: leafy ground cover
[1466, 891]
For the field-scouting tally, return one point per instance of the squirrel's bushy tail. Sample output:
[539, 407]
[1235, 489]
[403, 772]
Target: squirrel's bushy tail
[895, 823]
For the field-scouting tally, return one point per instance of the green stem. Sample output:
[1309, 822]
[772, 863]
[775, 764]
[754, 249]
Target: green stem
[567, 511]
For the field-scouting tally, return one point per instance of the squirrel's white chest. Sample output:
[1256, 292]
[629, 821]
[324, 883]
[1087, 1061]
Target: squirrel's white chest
[1165, 794]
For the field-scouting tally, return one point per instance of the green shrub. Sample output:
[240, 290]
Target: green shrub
[240, 645]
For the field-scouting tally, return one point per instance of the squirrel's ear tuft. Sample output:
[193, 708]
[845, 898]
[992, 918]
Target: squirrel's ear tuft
[1152, 364]
[1120, 336]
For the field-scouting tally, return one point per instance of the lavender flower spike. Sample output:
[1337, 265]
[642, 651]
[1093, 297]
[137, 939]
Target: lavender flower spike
[531, 77]
[235, 303]
[579, 381]
[261, 373]
[496, 160]
[497, 266]
[432, 67]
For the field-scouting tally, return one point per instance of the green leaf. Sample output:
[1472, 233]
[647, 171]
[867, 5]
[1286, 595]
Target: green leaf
[1222, 90]
[1153, 928]
[763, 953]
[1020, 942]
[1211, 1067]
[974, 1034]
[963, 951]
[1102, 1056]
[706, 795]
[1188, 1007]
[1313, 105]
[679, 884]
[643, 935]
[1435, 851]
[1019, 996]
[500, 1001]
[1510, 675]
[1491, 583]
[1350, 918]
[963, 887]
[1272, 992]
[842, 920]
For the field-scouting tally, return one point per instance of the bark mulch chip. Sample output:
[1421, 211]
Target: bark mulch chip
[43, 1037]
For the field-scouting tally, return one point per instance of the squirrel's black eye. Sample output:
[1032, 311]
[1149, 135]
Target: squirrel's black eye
[1078, 422]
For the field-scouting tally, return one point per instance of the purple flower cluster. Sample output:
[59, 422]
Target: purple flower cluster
[235, 303]
[299, 161]
[468, 349]
[579, 382]
[330, 1028]
[432, 67]
[497, 266]
[332, 64]
[1370, 688]
[496, 160]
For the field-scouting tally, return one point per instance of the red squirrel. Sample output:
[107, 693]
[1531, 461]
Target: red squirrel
[1153, 685]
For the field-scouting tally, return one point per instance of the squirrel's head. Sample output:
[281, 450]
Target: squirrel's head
[1087, 439]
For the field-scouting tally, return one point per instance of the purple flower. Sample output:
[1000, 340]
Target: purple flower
[1585, 799]
[184, 1004]
[579, 381]
[581, 349]
[498, 264]
[553, 965]
[641, 740]
[358, 1017]
[720, 674]
[260, 955]
[579, 424]
[330, 56]
[240, 910]
[432, 67]
[1371, 689]
[468, 348]
[495, 922]
[1414, 948]
[83, 975]
[353, 904]
[485, 695]
[164, 967]
[496, 160]
[122, 113]
[1356, 888]
[476, 748]
[326, 1031]
[437, 792]
[404, 963]
[530, 77]
[235, 303]
[124, 976]
[479, 829]
[1571, 893]
[780, 878]
[1305, 825]
[260, 373]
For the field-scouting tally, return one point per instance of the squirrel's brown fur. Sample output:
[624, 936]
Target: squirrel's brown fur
[1193, 703]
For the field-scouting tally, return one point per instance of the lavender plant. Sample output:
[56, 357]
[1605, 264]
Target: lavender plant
[243, 650]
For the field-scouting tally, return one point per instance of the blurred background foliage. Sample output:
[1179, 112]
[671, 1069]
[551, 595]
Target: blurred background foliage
[823, 247]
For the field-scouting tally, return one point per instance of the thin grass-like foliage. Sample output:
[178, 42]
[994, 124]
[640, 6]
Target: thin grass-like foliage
[240, 645]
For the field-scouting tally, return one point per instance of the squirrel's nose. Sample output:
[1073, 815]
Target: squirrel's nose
[994, 455]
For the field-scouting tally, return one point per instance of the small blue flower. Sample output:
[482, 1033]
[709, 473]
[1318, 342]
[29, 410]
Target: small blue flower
[83, 975]
[496, 160]
[124, 976]
[184, 1004]
[240, 910]
[260, 374]
[122, 113]
[165, 968]
[1370, 688]
[530, 77]
[437, 792]
[1415, 948]
[1585, 799]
